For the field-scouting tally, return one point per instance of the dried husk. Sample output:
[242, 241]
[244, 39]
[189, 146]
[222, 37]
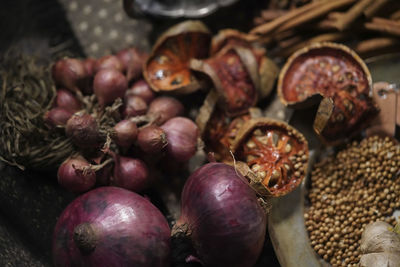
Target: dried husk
[347, 105]
[267, 69]
[226, 83]
[167, 68]
[27, 93]
[258, 183]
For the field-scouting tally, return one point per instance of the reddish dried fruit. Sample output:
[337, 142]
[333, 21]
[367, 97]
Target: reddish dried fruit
[220, 134]
[336, 73]
[167, 68]
[276, 153]
[234, 72]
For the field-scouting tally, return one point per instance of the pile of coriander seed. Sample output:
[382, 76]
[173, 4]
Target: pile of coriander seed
[357, 186]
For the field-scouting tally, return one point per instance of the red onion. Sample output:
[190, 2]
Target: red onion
[129, 173]
[125, 133]
[103, 176]
[109, 62]
[152, 139]
[70, 73]
[143, 90]
[132, 60]
[57, 117]
[83, 131]
[134, 106]
[182, 135]
[72, 176]
[108, 85]
[225, 222]
[67, 100]
[166, 108]
[111, 226]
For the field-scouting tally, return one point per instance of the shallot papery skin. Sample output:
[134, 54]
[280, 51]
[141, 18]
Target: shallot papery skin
[83, 131]
[165, 108]
[143, 90]
[67, 100]
[109, 62]
[109, 227]
[225, 222]
[70, 73]
[108, 85]
[182, 134]
[130, 173]
[126, 133]
[57, 117]
[72, 176]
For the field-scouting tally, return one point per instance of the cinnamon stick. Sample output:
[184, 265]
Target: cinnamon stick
[315, 13]
[376, 44]
[374, 7]
[271, 14]
[395, 15]
[271, 26]
[384, 26]
[327, 37]
[342, 21]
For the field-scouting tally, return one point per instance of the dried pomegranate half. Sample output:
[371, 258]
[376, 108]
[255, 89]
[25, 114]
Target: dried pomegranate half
[276, 153]
[234, 73]
[167, 68]
[336, 73]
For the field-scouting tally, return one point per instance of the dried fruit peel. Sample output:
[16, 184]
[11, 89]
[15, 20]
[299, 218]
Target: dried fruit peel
[332, 71]
[276, 153]
[167, 68]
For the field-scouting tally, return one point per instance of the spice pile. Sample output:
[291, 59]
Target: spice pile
[356, 187]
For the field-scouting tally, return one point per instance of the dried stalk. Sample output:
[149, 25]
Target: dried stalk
[375, 6]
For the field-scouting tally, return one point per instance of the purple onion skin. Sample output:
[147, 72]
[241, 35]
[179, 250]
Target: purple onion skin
[130, 231]
[126, 133]
[83, 131]
[109, 62]
[134, 106]
[182, 135]
[131, 174]
[227, 223]
[71, 176]
[90, 66]
[142, 89]
[70, 73]
[152, 139]
[57, 117]
[65, 99]
[108, 85]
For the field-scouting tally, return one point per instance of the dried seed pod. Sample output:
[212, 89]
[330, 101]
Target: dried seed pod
[234, 73]
[336, 73]
[275, 152]
[167, 68]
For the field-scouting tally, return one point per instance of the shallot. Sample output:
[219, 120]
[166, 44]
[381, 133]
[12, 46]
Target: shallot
[70, 73]
[83, 131]
[108, 85]
[130, 173]
[73, 176]
[182, 135]
[165, 108]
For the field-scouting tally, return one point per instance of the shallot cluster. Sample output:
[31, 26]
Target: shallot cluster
[118, 124]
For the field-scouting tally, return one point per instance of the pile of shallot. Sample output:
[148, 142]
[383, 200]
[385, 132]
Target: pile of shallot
[121, 129]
